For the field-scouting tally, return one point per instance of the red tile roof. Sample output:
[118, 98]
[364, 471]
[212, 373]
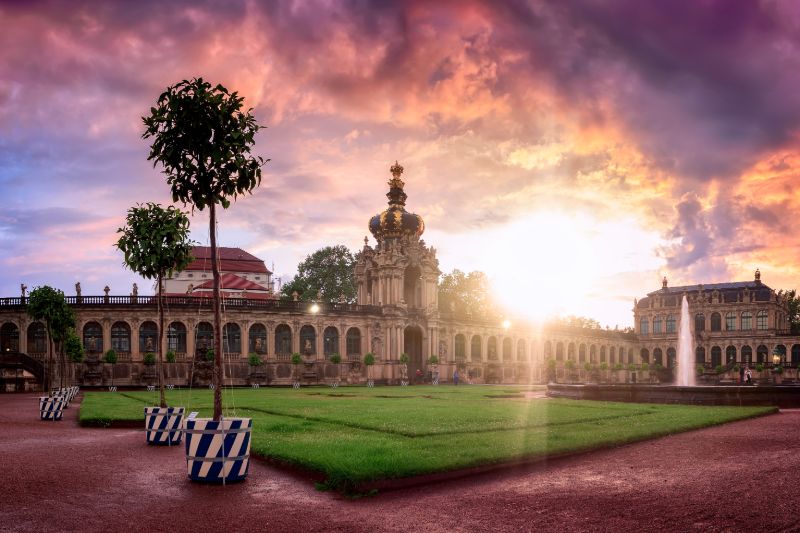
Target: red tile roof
[231, 260]
[232, 282]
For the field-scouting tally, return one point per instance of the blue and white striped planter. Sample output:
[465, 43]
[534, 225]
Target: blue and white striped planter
[163, 425]
[218, 451]
[51, 407]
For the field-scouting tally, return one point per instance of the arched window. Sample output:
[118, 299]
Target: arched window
[491, 349]
[121, 337]
[658, 357]
[257, 339]
[761, 354]
[716, 322]
[148, 337]
[571, 351]
[37, 339]
[593, 353]
[645, 355]
[521, 356]
[643, 326]
[330, 341]
[283, 341]
[461, 347]
[612, 355]
[730, 321]
[747, 354]
[670, 324]
[730, 354]
[308, 340]
[582, 353]
[176, 337]
[671, 358]
[796, 355]
[475, 347]
[353, 340]
[560, 351]
[204, 339]
[9, 337]
[747, 320]
[700, 355]
[761, 320]
[657, 325]
[232, 338]
[699, 322]
[602, 354]
[93, 338]
[508, 350]
[716, 356]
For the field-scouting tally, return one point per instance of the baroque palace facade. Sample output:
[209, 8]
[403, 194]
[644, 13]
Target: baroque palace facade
[397, 312]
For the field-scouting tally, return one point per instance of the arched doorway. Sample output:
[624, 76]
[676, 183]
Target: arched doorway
[412, 340]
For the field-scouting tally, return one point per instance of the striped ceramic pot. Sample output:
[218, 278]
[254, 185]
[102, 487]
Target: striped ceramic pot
[163, 425]
[218, 451]
[51, 407]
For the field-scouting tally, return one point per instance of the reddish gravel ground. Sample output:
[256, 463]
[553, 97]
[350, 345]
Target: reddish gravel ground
[742, 476]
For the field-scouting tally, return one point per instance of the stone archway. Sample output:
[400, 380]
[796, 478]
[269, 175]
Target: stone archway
[412, 340]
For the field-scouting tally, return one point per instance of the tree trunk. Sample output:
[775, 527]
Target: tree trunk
[217, 375]
[48, 373]
[162, 399]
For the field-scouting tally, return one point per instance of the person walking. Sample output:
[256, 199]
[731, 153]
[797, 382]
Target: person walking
[748, 376]
[455, 377]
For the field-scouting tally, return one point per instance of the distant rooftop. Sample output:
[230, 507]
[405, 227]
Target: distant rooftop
[231, 260]
[752, 285]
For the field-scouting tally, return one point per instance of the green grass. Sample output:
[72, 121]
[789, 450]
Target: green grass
[356, 435]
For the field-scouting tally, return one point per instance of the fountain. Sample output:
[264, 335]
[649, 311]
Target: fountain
[686, 374]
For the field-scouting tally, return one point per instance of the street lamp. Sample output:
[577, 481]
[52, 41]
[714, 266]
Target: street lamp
[506, 324]
[314, 309]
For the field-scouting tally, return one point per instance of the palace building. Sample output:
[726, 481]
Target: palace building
[397, 312]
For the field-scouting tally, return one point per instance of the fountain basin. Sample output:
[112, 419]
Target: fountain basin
[785, 396]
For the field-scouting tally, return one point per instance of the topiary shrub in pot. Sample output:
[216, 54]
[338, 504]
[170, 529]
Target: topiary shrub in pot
[297, 360]
[369, 360]
[110, 357]
[403, 369]
[336, 359]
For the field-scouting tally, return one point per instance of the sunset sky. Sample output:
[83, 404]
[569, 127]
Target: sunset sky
[574, 151]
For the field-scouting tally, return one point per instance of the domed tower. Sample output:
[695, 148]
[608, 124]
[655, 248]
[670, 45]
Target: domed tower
[395, 222]
[400, 270]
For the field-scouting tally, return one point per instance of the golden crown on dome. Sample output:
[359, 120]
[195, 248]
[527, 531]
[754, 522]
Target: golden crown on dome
[396, 221]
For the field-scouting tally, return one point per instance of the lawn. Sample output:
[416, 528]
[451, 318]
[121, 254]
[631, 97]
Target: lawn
[355, 435]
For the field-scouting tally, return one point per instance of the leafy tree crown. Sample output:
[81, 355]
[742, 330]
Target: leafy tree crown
[111, 357]
[155, 240]
[327, 272]
[202, 137]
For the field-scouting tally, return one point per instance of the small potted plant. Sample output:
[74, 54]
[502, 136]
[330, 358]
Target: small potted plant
[434, 362]
[551, 370]
[336, 359]
[256, 368]
[403, 369]
[369, 360]
[111, 358]
[777, 374]
[297, 360]
[569, 365]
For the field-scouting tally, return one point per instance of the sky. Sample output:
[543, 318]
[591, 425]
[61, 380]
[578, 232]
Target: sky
[576, 152]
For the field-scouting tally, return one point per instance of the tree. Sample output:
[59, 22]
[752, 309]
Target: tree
[202, 137]
[48, 305]
[793, 302]
[573, 321]
[327, 272]
[111, 359]
[465, 292]
[155, 242]
[369, 360]
[73, 347]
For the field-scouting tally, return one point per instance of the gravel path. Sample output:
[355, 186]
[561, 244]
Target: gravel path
[743, 476]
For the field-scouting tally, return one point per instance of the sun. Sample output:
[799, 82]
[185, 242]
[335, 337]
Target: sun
[552, 263]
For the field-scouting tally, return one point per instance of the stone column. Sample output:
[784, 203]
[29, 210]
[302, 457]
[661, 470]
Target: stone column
[106, 323]
[244, 337]
[319, 340]
[23, 336]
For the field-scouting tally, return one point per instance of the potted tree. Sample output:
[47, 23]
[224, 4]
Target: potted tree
[149, 374]
[257, 373]
[203, 138]
[297, 360]
[404, 369]
[336, 359]
[369, 360]
[434, 362]
[111, 358]
[155, 243]
[569, 365]
[170, 358]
